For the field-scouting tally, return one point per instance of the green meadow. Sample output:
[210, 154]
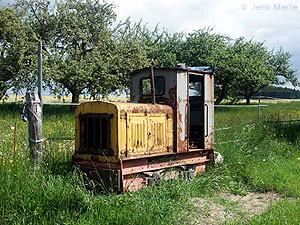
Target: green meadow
[259, 157]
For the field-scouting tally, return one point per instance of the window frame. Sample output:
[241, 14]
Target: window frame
[144, 78]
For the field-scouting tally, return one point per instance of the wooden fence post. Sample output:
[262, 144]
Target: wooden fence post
[34, 116]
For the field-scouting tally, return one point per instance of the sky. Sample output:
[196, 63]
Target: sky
[276, 22]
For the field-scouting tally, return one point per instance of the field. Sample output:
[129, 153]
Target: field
[261, 159]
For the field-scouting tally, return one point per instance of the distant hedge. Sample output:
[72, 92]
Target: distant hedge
[279, 92]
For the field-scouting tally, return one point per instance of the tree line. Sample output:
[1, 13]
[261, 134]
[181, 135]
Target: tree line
[279, 92]
[86, 51]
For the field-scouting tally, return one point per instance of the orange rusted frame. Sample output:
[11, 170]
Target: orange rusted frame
[143, 165]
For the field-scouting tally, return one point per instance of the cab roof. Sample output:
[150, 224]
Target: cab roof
[197, 69]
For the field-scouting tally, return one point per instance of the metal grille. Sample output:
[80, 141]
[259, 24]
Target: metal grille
[95, 134]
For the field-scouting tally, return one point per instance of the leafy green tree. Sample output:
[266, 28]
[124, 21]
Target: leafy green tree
[82, 44]
[127, 54]
[17, 52]
[205, 48]
[161, 46]
[260, 67]
[240, 66]
[85, 51]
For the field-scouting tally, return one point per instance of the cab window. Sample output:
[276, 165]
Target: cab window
[145, 85]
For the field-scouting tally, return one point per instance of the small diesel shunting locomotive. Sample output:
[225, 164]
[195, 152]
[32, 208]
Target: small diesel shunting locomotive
[169, 123]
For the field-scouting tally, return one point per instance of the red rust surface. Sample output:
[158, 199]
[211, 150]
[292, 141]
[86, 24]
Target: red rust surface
[144, 165]
[145, 108]
[200, 168]
[209, 141]
[134, 182]
[181, 112]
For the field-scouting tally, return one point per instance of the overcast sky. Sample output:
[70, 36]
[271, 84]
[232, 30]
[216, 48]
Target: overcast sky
[277, 22]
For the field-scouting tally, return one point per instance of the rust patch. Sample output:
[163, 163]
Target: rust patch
[200, 168]
[209, 141]
[179, 117]
[182, 146]
[146, 108]
[155, 163]
[134, 182]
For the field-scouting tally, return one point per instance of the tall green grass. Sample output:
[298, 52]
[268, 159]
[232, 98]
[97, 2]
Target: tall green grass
[257, 157]
[265, 158]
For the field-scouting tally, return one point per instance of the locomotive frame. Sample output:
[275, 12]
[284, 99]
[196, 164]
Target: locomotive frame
[127, 146]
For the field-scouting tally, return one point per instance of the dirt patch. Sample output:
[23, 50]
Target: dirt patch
[254, 203]
[226, 207]
[209, 212]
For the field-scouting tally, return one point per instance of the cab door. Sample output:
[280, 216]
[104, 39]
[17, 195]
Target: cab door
[201, 112]
[196, 114]
[208, 111]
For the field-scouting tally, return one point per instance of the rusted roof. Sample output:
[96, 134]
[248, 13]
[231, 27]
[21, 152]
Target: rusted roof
[128, 107]
[173, 69]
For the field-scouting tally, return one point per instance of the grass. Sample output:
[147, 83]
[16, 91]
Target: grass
[284, 212]
[264, 157]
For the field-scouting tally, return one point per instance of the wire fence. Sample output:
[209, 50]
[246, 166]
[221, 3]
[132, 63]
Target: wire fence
[263, 116]
[60, 103]
[273, 114]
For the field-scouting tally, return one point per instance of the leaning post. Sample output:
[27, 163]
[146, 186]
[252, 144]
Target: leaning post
[34, 116]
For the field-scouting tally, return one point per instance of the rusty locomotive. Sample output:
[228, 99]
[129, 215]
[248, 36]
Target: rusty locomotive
[168, 123]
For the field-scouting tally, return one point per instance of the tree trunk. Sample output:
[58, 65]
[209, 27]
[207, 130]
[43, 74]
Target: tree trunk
[3, 90]
[222, 95]
[248, 100]
[75, 98]
[1, 95]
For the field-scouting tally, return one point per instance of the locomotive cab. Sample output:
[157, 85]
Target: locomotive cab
[190, 93]
[167, 125]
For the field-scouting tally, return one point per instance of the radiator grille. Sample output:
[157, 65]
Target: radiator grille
[95, 134]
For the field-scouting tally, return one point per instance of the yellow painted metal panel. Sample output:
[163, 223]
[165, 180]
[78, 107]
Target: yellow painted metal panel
[132, 133]
[136, 133]
[94, 157]
[148, 134]
[157, 133]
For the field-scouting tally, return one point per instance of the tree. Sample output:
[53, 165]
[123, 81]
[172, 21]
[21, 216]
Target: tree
[17, 52]
[85, 51]
[225, 62]
[241, 67]
[260, 67]
[161, 46]
[127, 54]
[205, 48]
